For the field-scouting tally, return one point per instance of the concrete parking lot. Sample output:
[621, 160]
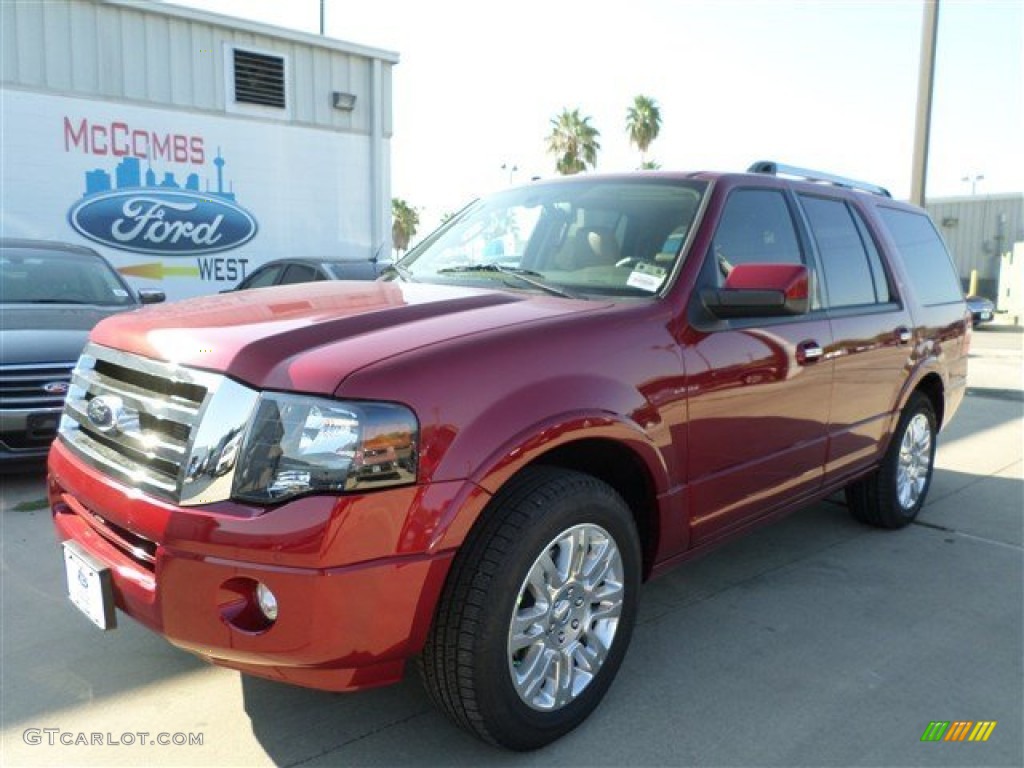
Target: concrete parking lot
[814, 642]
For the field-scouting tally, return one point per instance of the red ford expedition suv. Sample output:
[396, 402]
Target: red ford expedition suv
[568, 388]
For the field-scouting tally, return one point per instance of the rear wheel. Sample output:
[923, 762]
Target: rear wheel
[538, 610]
[892, 496]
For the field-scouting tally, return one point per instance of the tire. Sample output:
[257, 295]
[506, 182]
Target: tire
[892, 496]
[508, 624]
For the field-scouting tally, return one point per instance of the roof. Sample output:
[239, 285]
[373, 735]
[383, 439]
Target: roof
[220, 20]
[13, 243]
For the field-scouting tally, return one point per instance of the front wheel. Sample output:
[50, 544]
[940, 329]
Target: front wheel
[893, 495]
[538, 610]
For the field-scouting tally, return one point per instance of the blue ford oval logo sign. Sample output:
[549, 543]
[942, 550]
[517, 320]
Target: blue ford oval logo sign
[56, 388]
[104, 412]
[163, 222]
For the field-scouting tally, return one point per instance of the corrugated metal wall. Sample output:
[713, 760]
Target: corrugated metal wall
[168, 56]
[977, 230]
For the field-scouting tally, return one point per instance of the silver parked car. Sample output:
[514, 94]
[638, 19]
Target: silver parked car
[51, 295]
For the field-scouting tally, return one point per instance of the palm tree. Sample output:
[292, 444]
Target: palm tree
[643, 123]
[573, 141]
[404, 220]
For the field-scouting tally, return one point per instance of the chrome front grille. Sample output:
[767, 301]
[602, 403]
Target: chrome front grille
[134, 418]
[33, 387]
[170, 431]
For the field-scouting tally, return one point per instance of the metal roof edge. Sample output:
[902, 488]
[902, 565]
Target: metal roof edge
[254, 27]
[978, 198]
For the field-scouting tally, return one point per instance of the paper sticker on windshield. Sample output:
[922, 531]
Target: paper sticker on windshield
[646, 277]
[121, 293]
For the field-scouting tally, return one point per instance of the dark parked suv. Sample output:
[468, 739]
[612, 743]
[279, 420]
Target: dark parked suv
[51, 295]
[567, 389]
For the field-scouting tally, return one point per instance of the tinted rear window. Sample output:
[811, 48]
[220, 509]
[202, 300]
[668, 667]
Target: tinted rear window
[924, 256]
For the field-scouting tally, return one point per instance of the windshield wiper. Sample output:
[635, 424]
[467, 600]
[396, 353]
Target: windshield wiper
[527, 276]
[58, 301]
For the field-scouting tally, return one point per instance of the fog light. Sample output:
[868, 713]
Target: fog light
[267, 601]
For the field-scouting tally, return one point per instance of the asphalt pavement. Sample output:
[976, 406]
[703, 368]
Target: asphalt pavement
[813, 642]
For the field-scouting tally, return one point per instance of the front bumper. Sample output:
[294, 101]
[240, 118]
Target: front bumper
[26, 433]
[356, 577]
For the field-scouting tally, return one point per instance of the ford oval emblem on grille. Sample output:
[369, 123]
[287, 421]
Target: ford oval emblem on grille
[56, 388]
[104, 412]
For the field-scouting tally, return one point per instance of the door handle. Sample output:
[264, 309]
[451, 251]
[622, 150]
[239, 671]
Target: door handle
[809, 352]
[903, 335]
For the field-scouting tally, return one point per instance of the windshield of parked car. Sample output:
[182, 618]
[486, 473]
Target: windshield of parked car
[581, 238]
[33, 276]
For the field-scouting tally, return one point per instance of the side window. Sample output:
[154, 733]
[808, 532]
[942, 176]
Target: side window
[298, 273]
[262, 278]
[848, 276]
[924, 256]
[883, 291]
[756, 228]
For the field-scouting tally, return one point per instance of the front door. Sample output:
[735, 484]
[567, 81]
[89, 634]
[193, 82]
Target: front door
[759, 388]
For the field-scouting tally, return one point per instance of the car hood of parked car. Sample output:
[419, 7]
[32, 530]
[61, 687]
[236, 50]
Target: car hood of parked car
[309, 337]
[52, 333]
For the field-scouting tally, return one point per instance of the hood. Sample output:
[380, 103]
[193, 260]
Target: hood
[47, 334]
[310, 336]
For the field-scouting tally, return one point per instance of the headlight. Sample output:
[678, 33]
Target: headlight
[299, 445]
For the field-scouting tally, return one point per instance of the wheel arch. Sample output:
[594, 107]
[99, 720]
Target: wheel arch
[613, 451]
[931, 386]
[625, 471]
[929, 382]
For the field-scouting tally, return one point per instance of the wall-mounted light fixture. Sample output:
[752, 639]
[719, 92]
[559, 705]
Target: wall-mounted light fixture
[950, 221]
[344, 101]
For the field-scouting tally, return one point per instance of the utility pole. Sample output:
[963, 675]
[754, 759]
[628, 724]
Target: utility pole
[925, 78]
[321, 18]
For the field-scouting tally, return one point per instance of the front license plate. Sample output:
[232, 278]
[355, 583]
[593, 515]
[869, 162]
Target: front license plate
[42, 426]
[90, 586]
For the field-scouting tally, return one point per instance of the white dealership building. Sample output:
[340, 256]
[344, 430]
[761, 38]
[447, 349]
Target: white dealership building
[188, 147]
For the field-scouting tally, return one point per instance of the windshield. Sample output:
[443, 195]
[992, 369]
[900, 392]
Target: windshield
[587, 237]
[34, 276]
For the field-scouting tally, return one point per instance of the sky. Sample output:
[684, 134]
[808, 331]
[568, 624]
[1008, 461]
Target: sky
[821, 84]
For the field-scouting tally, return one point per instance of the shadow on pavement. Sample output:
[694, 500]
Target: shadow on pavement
[782, 648]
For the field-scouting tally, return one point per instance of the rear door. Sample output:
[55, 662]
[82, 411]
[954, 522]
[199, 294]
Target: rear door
[759, 388]
[872, 332]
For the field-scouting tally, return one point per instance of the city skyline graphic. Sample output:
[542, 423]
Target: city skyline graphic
[128, 174]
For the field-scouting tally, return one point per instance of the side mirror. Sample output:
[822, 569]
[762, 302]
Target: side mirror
[760, 290]
[150, 296]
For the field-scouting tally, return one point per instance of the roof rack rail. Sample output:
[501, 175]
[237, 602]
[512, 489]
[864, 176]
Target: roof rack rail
[773, 169]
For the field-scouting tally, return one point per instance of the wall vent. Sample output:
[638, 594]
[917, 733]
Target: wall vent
[259, 79]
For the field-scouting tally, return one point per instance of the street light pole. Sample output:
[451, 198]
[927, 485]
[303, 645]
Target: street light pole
[511, 168]
[925, 78]
[321, 18]
[974, 181]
